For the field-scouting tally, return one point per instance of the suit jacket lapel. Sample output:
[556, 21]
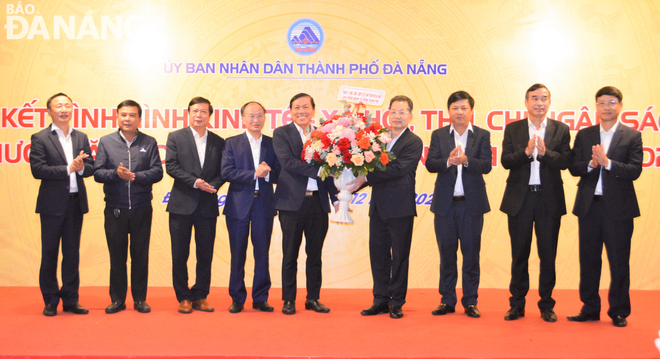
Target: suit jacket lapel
[615, 139]
[470, 143]
[296, 136]
[247, 149]
[56, 142]
[400, 140]
[264, 149]
[549, 132]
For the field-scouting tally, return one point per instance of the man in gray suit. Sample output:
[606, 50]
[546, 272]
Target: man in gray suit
[607, 158]
[461, 154]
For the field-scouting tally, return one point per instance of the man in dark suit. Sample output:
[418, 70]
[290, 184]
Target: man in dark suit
[250, 166]
[128, 164]
[193, 160]
[392, 213]
[60, 157]
[461, 155]
[535, 150]
[301, 198]
[607, 158]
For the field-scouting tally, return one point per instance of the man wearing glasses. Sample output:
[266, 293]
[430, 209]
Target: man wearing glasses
[607, 158]
[392, 213]
[250, 166]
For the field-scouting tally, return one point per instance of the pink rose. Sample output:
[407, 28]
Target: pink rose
[369, 156]
[348, 134]
[376, 147]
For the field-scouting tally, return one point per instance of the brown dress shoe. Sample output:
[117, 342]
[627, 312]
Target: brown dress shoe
[202, 305]
[185, 307]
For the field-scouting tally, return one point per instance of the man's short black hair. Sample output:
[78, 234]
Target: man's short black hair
[458, 96]
[302, 94]
[402, 98]
[57, 95]
[610, 91]
[130, 103]
[200, 99]
[251, 102]
[535, 87]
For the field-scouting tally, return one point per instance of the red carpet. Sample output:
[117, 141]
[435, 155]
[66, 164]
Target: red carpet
[343, 333]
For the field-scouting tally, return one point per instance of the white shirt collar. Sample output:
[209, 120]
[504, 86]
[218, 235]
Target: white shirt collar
[300, 130]
[252, 140]
[196, 135]
[452, 129]
[56, 128]
[612, 129]
[544, 124]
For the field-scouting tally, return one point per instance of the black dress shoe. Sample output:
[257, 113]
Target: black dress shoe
[289, 307]
[115, 307]
[142, 307]
[549, 315]
[472, 311]
[443, 309]
[50, 310]
[396, 312]
[581, 317]
[376, 309]
[235, 307]
[262, 306]
[514, 313]
[75, 309]
[316, 306]
[619, 321]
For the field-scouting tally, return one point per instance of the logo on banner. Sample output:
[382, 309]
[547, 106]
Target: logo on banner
[305, 37]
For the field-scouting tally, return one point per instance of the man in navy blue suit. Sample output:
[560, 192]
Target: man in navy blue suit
[461, 155]
[250, 166]
[608, 158]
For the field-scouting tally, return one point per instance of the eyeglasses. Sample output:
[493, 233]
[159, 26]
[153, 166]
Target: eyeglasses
[611, 103]
[257, 117]
[399, 113]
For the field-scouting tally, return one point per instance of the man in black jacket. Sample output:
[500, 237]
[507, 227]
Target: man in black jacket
[60, 157]
[128, 164]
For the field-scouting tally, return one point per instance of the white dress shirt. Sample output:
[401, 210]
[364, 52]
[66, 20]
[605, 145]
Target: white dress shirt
[200, 143]
[605, 141]
[535, 173]
[311, 182]
[255, 146]
[459, 140]
[67, 145]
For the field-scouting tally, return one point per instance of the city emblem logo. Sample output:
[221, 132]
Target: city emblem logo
[305, 37]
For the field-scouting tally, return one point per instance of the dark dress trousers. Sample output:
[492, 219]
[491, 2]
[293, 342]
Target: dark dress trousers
[300, 214]
[392, 212]
[461, 219]
[608, 220]
[61, 212]
[191, 207]
[538, 211]
[128, 209]
[249, 213]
